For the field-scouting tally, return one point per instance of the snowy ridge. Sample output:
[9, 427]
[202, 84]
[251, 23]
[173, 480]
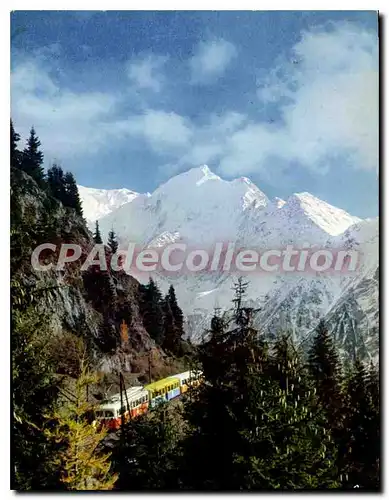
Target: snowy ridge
[97, 203]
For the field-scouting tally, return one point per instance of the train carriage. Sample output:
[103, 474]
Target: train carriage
[190, 378]
[137, 400]
[110, 413]
[163, 390]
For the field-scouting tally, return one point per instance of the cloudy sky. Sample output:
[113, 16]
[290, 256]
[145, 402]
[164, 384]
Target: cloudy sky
[128, 99]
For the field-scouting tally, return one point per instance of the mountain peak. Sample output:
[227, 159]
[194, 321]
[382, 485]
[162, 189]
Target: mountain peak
[97, 203]
[331, 219]
[201, 174]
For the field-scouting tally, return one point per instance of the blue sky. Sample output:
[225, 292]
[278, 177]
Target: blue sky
[128, 99]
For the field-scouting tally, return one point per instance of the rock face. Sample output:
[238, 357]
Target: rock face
[71, 304]
[199, 208]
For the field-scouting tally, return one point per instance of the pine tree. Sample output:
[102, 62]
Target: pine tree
[170, 333]
[101, 290]
[217, 413]
[32, 159]
[303, 450]
[151, 310]
[176, 310]
[112, 241]
[257, 417]
[97, 235]
[82, 464]
[325, 369]
[72, 197]
[362, 430]
[148, 456]
[56, 183]
[373, 384]
[15, 153]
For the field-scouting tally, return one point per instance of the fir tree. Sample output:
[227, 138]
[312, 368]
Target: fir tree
[303, 452]
[151, 310]
[101, 290]
[176, 310]
[218, 410]
[325, 368]
[32, 158]
[373, 384]
[56, 183]
[97, 235]
[257, 416]
[72, 198]
[112, 241]
[15, 153]
[362, 431]
[171, 335]
[148, 456]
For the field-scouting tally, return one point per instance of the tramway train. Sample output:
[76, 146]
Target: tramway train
[138, 400]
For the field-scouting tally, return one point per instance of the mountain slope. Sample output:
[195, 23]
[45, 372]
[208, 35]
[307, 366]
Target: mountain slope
[99, 202]
[197, 206]
[200, 208]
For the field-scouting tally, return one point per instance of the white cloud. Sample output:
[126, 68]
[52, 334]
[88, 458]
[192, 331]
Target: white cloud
[146, 72]
[67, 123]
[326, 93]
[207, 142]
[211, 60]
[328, 98]
[165, 132]
[70, 123]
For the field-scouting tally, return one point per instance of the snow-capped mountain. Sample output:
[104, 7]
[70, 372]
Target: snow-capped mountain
[99, 202]
[196, 206]
[302, 219]
[200, 208]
